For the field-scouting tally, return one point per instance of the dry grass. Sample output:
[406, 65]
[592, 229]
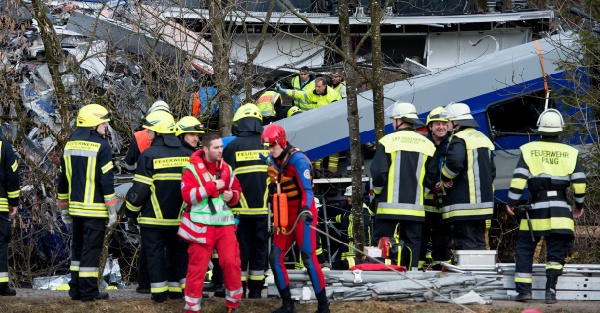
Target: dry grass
[47, 305]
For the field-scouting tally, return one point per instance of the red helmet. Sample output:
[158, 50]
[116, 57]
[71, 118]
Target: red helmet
[274, 134]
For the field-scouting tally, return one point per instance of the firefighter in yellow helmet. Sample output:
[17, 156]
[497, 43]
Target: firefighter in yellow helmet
[155, 200]
[86, 198]
[189, 130]
[467, 176]
[293, 111]
[245, 155]
[403, 152]
[434, 229]
[547, 167]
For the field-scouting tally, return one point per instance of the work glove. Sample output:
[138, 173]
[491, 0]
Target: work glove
[282, 90]
[63, 206]
[132, 225]
[112, 214]
[306, 216]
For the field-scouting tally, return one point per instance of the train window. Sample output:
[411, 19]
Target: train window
[516, 116]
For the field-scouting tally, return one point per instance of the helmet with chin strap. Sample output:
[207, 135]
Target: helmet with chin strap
[274, 134]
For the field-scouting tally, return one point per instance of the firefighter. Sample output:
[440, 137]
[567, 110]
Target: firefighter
[344, 220]
[434, 228]
[338, 83]
[155, 200]
[244, 155]
[209, 188]
[139, 143]
[9, 202]
[86, 198]
[398, 170]
[270, 104]
[547, 168]
[303, 82]
[189, 130]
[467, 176]
[291, 168]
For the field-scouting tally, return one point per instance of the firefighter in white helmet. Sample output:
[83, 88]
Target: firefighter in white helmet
[467, 175]
[398, 170]
[547, 167]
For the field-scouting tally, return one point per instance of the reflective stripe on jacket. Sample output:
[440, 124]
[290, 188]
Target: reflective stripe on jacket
[243, 154]
[310, 100]
[469, 165]
[398, 171]
[86, 177]
[155, 196]
[548, 167]
[10, 189]
[266, 103]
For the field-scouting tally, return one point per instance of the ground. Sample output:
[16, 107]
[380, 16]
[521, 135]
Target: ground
[127, 300]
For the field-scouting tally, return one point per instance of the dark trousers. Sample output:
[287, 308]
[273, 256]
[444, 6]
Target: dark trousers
[469, 235]
[142, 267]
[253, 238]
[409, 232]
[555, 258]
[438, 232]
[167, 261]
[5, 235]
[88, 237]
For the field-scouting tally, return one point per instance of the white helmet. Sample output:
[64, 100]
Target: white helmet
[403, 111]
[348, 192]
[317, 203]
[550, 122]
[460, 113]
[159, 105]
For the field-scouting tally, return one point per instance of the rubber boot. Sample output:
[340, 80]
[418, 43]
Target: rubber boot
[523, 297]
[323, 304]
[551, 282]
[287, 302]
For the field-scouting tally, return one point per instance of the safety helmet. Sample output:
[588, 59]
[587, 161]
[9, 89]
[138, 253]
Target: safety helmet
[92, 115]
[317, 202]
[403, 111]
[247, 110]
[437, 115]
[161, 122]
[159, 105]
[188, 124]
[274, 134]
[550, 122]
[293, 111]
[348, 192]
[461, 113]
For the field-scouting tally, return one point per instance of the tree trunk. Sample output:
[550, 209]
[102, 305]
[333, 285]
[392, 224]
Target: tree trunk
[376, 15]
[54, 58]
[221, 65]
[353, 128]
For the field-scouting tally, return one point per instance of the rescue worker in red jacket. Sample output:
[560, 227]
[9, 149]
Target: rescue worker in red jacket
[155, 200]
[86, 198]
[244, 155]
[291, 168]
[209, 189]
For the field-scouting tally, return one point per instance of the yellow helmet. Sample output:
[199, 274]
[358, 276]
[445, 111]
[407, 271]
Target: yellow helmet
[293, 111]
[437, 115]
[161, 122]
[92, 115]
[189, 124]
[247, 110]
